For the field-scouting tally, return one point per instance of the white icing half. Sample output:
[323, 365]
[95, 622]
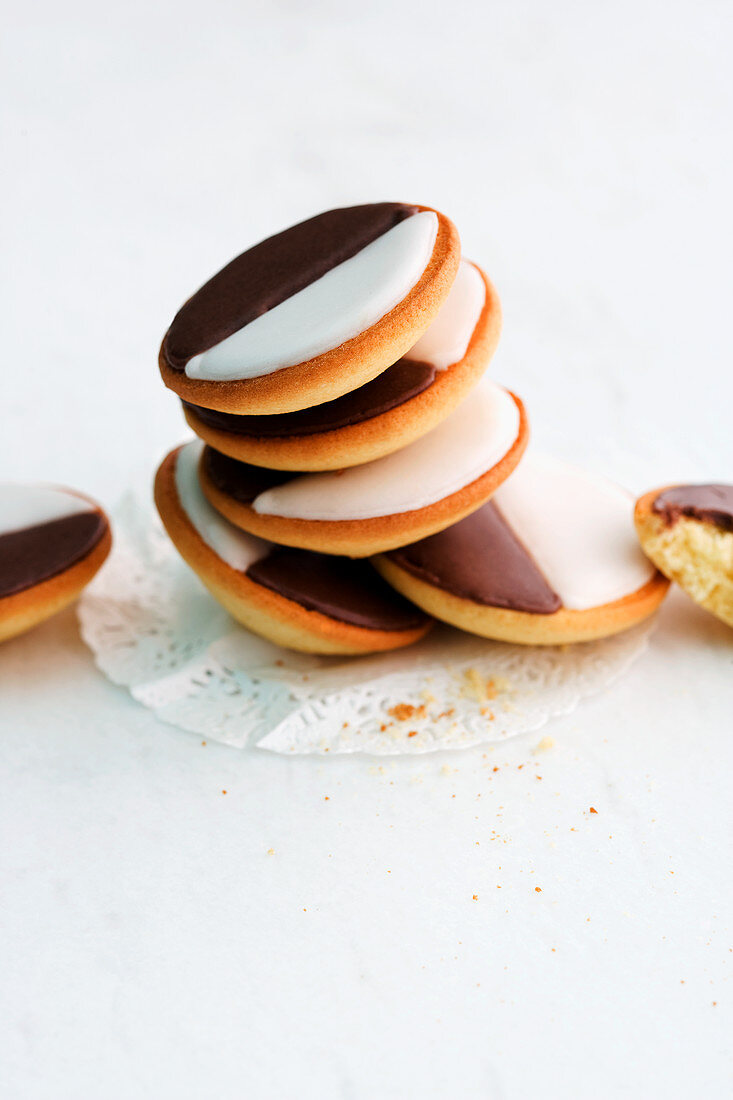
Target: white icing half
[348, 299]
[467, 444]
[578, 528]
[447, 339]
[24, 506]
[233, 546]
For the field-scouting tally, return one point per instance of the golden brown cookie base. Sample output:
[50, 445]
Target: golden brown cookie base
[381, 434]
[26, 609]
[521, 627]
[341, 369]
[694, 553]
[263, 611]
[360, 538]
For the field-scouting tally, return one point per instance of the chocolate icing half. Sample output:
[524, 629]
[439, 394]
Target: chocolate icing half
[709, 503]
[239, 480]
[342, 588]
[34, 554]
[402, 381]
[272, 271]
[481, 559]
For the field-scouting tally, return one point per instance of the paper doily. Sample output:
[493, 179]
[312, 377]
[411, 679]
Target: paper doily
[154, 628]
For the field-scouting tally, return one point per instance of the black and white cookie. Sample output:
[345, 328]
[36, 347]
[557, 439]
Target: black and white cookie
[552, 558]
[687, 531]
[52, 542]
[301, 600]
[313, 312]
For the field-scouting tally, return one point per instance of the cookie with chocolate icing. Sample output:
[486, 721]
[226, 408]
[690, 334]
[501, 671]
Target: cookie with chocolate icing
[52, 542]
[401, 404]
[363, 510]
[687, 531]
[551, 559]
[298, 599]
[313, 312]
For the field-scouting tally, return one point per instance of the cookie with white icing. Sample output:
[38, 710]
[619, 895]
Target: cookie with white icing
[313, 312]
[551, 559]
[687, 531]
[295, 598]
[52, 542]
[401, 404]
[363, 510]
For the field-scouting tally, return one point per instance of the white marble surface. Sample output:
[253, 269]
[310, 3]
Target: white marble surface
[313, 932]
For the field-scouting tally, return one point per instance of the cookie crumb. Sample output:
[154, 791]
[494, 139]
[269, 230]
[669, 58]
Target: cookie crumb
[403, 711]
[271, 851]
[480, 688]
[545, 744]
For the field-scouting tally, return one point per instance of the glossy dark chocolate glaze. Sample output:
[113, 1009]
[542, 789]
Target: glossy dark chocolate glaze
[344, 589]
[710, 503]
[239, 480]
[481, 559]
[272, 271]
[402, 381]
[35, 554]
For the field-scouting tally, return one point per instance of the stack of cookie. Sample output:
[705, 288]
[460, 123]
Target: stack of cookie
[340, 492]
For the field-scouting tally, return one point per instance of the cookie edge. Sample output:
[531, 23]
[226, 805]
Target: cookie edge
[325, 377]
[288, 623]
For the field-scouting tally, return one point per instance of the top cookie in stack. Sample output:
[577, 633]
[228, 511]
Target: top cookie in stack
[344, 348]
[313, 312]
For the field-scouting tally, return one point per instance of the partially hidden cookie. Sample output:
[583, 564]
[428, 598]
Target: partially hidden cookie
[52, 542]
[362, 510]
[552, 558]
[313, 312]
[401, 404]
[297, 599]
[687, 531]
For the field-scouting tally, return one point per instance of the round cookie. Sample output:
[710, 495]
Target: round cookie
[52, 542]
[551, 559]
[313, 312]
[687, 531]
[297, 599]
[401, 404]
[364, 510]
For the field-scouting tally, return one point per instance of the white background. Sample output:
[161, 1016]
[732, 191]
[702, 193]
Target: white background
[151, 945]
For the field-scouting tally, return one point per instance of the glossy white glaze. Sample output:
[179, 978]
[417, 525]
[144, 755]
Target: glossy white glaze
[467, 444]
[348, 299]
[446, 341]
[24, 506]
[233, 546]
[578, 528]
